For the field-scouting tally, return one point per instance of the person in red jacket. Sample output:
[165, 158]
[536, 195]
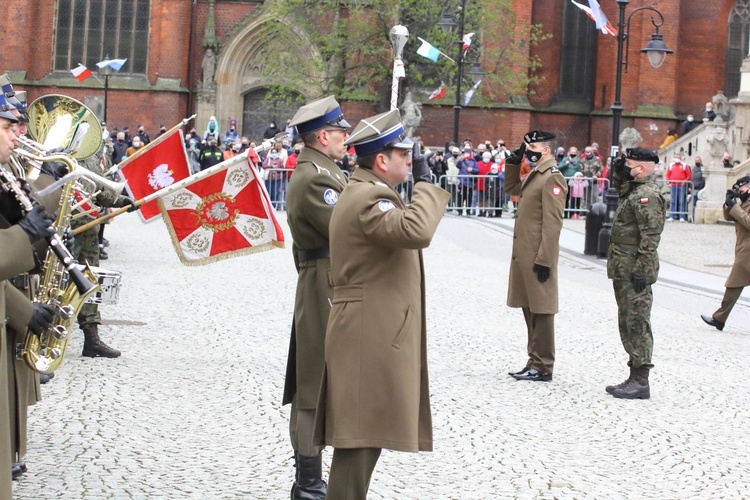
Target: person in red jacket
[483, 188]
[678, 175]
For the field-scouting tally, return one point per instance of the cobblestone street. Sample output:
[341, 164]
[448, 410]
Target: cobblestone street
[192, 409]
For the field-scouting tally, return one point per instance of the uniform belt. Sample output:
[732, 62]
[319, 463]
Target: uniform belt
[21, 281]
[313, 254]
[624, 240]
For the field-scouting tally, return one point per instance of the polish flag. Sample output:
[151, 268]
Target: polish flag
[598, 17]
[224, 215]
[467, 41]
[439, 93]
[81, 72]
[154, 167]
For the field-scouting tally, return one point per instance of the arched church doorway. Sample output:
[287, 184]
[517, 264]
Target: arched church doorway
[258, 112]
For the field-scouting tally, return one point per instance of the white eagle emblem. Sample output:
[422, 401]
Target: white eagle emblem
[218, 211]
[330, 197]
[161, 177]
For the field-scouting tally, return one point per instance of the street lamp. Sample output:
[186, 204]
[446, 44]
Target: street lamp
[656, 50]
[446, 24]
[399, 35]
[106, 71]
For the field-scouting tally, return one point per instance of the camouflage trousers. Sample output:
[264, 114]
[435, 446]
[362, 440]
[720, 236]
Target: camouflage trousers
[87, 250]
[634, 320]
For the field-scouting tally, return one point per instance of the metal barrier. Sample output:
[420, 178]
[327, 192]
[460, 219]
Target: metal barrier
[583, 192]
[679, 195]
[277, 181]
[480, 195]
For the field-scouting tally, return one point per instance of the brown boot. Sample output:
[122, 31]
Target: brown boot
[93, 345]
[611, 388]
[637, 387]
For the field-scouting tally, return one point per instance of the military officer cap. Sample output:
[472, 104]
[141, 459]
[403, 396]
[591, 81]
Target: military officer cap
[642, 154]
[6, 110]
[538, 136]
[742, 181]
[7, 87]
[316, 115]
[379, 132]
[24, 107]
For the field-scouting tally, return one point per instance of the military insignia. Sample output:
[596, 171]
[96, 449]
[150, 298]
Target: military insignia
[385, 205]
[556, 190]
[378, 183]
[643, 201]
[330, 197]
[555, 170]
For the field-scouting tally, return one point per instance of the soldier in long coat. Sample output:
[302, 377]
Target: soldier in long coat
[739, 276]
[633, 263]
[536, 247]
[311, 196]
[375, 391]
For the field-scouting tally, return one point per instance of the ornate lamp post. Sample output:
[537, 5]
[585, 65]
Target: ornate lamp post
[106, 71]
[446, 24]
[656, 50]
[399, 35]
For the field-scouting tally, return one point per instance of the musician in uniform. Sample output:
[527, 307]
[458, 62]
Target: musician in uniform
[311, 195]
[375, 391]
[17, 311]
[532, 284]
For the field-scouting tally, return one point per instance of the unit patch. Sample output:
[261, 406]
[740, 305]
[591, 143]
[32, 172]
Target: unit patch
[330, 197]
[557, 190]
[385, 205]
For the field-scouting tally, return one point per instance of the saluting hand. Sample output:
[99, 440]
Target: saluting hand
[517, 156]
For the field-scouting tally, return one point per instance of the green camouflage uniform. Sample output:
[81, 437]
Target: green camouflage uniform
[636, 231]
[86, 247]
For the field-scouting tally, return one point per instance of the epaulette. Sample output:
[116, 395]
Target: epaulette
[555, 170]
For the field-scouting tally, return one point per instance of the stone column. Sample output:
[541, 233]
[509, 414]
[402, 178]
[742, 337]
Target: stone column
[711, 198]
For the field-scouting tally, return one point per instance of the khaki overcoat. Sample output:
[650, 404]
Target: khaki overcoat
[739, 276]
[15, 257]
[375, 391]
[536, 235]
[312, 193]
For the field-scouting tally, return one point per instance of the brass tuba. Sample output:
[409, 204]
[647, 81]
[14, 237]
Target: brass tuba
[59, 121]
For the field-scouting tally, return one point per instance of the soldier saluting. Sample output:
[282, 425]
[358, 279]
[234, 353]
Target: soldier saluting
[633, 263]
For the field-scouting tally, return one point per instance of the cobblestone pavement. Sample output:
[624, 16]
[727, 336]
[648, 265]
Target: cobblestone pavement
[192, 408]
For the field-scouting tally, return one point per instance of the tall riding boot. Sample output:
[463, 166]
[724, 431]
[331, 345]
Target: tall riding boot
[93, 345]
[296, 472]
[637, 388]
[611, 388]
[310, 485]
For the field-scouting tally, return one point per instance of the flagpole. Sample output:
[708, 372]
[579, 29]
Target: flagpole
[179, 184]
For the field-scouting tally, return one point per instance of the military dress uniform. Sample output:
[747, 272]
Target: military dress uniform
[739, 276]
[375, 391]
[312, 194]
[632, 264]
[536, 242]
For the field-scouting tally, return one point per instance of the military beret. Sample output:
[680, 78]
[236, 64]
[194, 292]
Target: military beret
[538, 136]
[378, 133]
[319, 114]
[742, 181]
[642, 154]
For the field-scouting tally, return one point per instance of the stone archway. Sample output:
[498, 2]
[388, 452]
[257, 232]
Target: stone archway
[239, 69]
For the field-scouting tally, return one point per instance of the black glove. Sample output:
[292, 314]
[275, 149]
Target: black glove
[618, 165]
[129, 202]
[542, 273]
[420, 166]
[55, 169]
[9, 207]
[639, 282]
[37, 224]
[41, 318]
[731, 199]
[69, 240]
[517, 155]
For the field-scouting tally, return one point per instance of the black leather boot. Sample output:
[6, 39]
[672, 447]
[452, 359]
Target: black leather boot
[93, 345]
[611, 388]
[296, 472]
[310, 485]
[636, 388]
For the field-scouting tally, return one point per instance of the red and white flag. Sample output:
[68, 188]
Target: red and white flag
[81, 72]
[597, 16]
[224, 215]
[439, 93]
[467, 41]
[159, 165]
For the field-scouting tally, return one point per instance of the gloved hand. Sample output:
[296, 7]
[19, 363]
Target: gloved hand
[41, 318]
[130, 203]
[731, 199]
[55, 169]
[639, 282]
[618, 165]
[69, 240]
[542, 273]
[420, 167]
[9, 207]
[37, 224]
[516, 156]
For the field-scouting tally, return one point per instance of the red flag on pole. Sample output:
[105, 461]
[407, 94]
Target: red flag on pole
[439, 93]
[159, 166]
[224, 215]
